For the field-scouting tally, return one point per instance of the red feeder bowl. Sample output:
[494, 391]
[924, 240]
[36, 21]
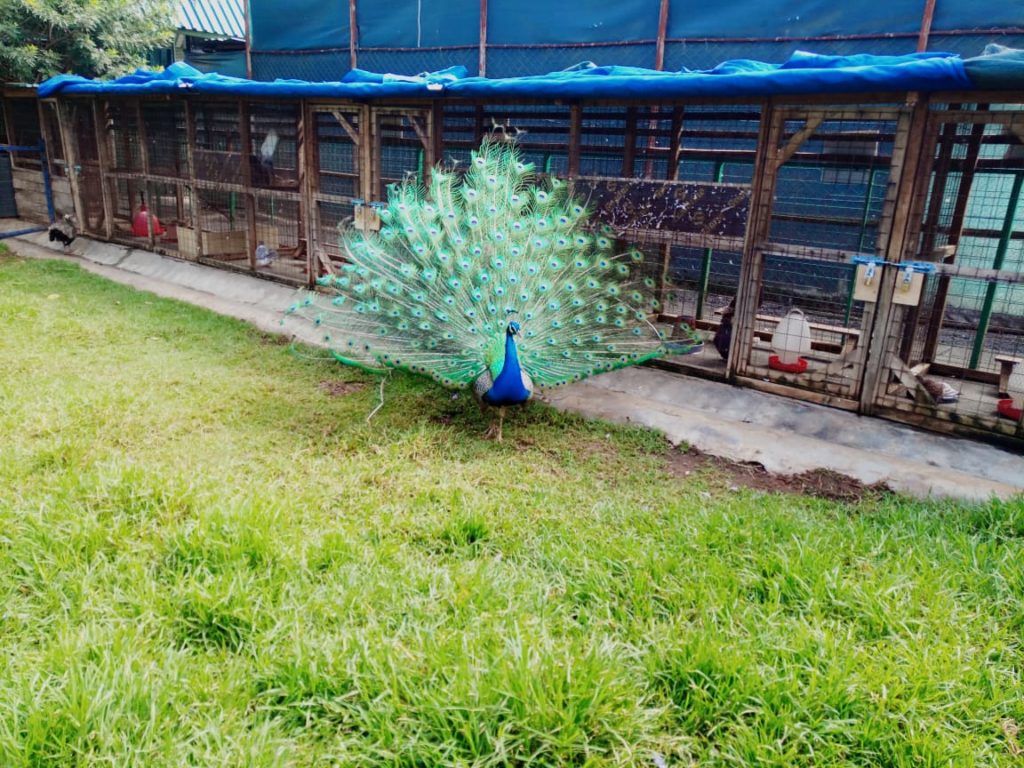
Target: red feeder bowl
[798, 367]
[139, 226]
[1006, 409]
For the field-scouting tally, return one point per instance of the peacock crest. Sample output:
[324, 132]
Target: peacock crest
[434, 291]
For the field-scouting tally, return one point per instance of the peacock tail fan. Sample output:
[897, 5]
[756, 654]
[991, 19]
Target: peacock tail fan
[433, 291]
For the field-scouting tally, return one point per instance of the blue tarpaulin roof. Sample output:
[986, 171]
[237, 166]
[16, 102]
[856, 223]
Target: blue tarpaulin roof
[803, 73]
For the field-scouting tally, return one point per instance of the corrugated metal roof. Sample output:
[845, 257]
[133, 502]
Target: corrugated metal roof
[224, 18]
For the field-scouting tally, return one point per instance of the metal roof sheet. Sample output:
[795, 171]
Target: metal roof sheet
[224, 18]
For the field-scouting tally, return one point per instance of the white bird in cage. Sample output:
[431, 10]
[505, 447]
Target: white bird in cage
[268, 149]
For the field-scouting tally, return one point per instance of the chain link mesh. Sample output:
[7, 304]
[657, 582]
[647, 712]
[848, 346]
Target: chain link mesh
[519, 60]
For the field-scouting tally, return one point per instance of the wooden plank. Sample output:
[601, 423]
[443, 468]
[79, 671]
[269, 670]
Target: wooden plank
[813, 121]
[797, 393]
[346, 126]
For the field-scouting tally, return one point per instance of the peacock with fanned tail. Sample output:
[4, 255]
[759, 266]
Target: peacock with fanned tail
[488, 280]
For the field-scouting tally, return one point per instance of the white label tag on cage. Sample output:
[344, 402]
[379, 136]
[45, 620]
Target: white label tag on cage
[908, 287]
[866, 283]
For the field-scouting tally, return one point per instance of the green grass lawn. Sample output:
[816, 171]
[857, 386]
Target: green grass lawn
[210, 558]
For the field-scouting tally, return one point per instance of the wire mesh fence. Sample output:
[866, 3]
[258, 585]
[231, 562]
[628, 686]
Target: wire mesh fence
[951, 351]
[680, 54]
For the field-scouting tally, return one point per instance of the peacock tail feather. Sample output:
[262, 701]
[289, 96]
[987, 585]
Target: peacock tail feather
[433, 291]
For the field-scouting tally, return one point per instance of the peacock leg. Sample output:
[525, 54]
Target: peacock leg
[494, 430]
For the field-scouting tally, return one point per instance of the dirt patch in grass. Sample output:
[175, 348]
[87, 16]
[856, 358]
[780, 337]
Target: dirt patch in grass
[822, 483]
[341, 388]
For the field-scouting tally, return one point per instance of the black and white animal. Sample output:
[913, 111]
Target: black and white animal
[64, 231]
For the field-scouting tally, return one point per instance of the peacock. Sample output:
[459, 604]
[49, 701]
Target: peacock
[488, 279]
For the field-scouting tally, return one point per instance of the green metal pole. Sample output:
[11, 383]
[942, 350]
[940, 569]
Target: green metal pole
[997, 263]
[705, 265]
[865, 216]
[231, 209]
[419, 167]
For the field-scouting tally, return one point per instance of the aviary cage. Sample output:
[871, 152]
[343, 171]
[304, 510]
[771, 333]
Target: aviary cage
[749, 213]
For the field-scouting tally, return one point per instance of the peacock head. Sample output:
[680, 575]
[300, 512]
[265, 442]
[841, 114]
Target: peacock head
[513, 328]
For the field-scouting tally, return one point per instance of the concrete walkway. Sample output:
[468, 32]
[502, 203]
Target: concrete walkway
[786, 436]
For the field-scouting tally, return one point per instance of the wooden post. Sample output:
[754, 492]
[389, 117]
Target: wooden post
[306, 138]
[672, 174]
[956, 226]
[71, 163]
[904, 181]
[483, 39]
[629, 144]
[103, 159]
[144, 156]
[435, 129]
[659, 47]
[248, 38]
[245, 139]
[748, 295]
[575, 131]
[926, 25]
[353, 34]
[367, 139]
[190, 145]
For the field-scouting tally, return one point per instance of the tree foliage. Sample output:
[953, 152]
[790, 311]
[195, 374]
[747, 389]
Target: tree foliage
[95, 38]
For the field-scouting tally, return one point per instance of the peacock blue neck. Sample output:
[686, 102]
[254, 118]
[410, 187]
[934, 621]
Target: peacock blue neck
[508, 388]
